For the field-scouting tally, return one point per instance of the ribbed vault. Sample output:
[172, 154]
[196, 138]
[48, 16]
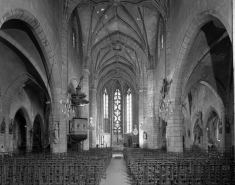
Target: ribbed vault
[119, 37]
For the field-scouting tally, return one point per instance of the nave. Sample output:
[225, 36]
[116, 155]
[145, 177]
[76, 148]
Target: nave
[105, 166]
[80, 78]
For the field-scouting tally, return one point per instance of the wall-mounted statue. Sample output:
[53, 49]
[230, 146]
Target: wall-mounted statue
[145, 136]
[3, 125]
[56, 132]
[11, 127]
[227, 127]
[198, 133]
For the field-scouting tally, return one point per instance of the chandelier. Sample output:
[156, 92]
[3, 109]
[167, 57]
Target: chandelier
[165, 104]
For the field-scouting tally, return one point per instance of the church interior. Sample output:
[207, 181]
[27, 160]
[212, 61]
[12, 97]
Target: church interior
[145, 87]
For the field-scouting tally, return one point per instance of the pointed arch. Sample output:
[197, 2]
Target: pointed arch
[51, 67]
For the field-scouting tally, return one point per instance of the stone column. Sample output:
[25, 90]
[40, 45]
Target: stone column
[174, 130]
[233, 41]
[85, 109]
[159, 136]
[58, 125]
[158, 123]
[150, 113]
[142, 110]
[93, 114]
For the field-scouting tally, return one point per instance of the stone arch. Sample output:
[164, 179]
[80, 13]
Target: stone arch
[13, 88]
[221, 113]
[196, 24]
[114, 76]
[39, 117]
[41, 37]
[207, 113]
[36, 132]
[207, 117]
[26, 115]
[25, 53]
[22, 111]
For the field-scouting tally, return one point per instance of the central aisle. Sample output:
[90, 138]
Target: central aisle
[116, 173]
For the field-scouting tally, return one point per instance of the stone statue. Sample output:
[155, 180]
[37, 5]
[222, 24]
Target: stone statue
[56, 132]
[3, 126]
[200, 121]
[11, 127]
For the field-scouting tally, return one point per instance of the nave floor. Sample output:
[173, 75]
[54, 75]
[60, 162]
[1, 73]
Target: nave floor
[116, 173]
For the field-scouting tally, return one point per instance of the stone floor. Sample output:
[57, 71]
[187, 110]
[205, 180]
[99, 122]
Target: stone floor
[116, 173]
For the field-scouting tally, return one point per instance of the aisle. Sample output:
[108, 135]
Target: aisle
[116, 173]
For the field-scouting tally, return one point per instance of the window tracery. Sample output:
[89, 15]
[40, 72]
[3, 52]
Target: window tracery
[117, 111]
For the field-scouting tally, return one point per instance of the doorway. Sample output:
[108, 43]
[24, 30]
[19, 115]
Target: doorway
[20, 132]
[37, 143]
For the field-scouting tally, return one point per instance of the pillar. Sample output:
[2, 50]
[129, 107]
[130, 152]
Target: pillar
[85, 109]
[150, 113]
[142, 110]
[174, 129]
[58, 125]
[93, 114]
[233, 41]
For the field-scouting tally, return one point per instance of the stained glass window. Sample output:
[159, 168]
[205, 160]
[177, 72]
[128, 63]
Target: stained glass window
[117, 111]
[129, 111]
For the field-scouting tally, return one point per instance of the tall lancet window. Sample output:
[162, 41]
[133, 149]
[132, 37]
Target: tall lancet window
[74, 39]
[160, 36]
[117, 112]
[106, 111]
[129, 110]
[106, 104]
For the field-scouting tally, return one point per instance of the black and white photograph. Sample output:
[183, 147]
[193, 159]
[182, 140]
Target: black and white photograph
[117, 92]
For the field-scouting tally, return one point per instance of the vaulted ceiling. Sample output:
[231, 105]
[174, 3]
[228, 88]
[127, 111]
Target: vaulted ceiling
[120, 36]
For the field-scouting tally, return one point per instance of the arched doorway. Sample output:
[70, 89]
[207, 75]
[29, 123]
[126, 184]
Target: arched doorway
[20, 132]
[198, 134]
[36, 132]
[213, 130]
[164, 125]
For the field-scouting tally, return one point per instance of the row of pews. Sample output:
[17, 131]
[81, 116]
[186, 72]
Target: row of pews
[84, 168]
[157, 167]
